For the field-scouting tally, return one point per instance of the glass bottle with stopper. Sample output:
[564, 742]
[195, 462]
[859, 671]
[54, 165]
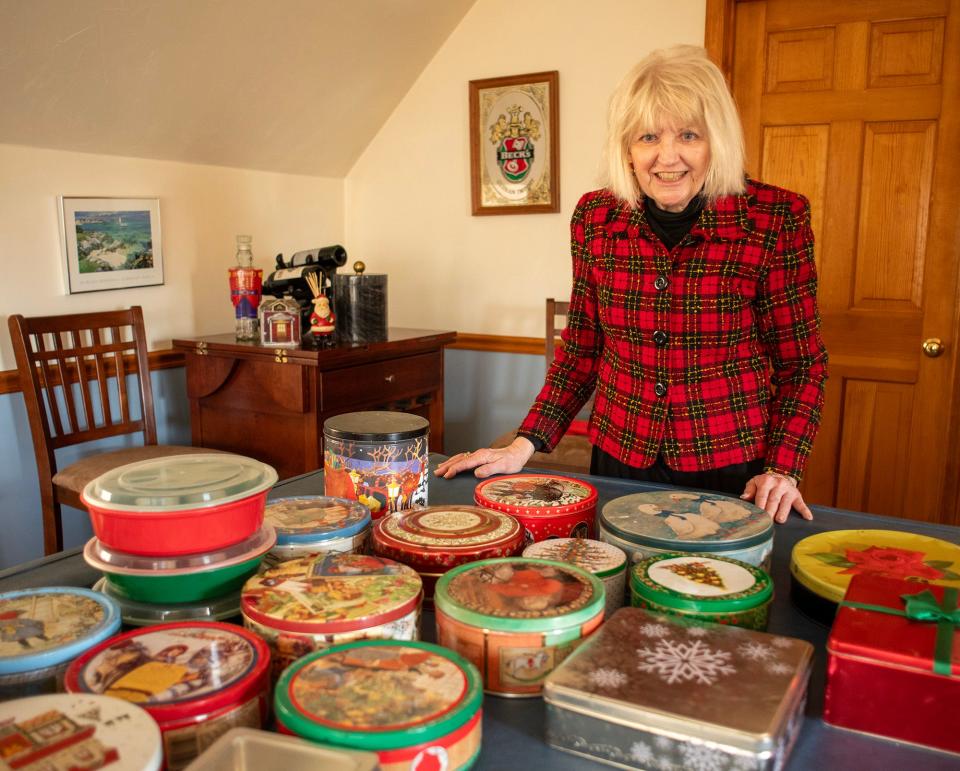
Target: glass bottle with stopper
[246, 283]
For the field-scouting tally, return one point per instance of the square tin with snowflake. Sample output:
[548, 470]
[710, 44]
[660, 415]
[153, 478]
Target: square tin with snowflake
[893, 665]
[665, 693]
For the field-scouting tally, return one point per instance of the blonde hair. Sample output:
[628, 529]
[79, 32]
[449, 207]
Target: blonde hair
[683, 85]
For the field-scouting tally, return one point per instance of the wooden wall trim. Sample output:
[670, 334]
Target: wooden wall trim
[162, 359]
[499, 343]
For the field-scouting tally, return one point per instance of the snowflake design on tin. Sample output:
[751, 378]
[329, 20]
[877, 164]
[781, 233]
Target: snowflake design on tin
[756, 651]
[677, 662]
[778, 668]
[641, 752]
[742, 763]
[663, 743]
[697, 631]
[781, 642]
[664, 764]
[696, 757]
[605, 677]
[654, 630]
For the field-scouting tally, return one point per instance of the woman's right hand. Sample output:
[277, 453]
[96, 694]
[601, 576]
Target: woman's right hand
[489, 461]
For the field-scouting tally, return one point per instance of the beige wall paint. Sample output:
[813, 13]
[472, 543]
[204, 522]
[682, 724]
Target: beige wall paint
[202, 208]
[408, 196]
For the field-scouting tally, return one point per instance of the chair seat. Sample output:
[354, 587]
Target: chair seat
[75, 477]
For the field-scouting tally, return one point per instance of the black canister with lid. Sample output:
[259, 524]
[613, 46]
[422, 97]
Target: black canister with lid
[360, 303]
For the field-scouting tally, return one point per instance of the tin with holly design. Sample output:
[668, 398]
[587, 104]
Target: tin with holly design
[516, 618]
[415, 704]
[547, 505]
[715, 589]
[437, 538]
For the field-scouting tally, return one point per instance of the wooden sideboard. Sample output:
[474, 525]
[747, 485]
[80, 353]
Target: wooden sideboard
[270, 403]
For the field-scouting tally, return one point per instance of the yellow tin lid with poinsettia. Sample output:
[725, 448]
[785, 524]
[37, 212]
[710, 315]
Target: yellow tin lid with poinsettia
[825, 563]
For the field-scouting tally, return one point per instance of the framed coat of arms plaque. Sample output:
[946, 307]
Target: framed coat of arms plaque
[514, 144]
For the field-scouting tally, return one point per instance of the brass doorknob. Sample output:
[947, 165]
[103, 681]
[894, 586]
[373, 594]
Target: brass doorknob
[933, 347]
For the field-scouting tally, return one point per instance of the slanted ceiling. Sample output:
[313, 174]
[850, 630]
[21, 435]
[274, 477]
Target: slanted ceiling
[297, 86]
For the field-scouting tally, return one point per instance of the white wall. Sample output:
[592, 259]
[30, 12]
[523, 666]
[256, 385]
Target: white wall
[202, 209]
[408, 196]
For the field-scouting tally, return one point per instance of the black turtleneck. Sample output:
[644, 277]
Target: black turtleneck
[670, 227]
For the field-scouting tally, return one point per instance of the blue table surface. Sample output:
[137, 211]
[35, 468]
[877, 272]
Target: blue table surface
[513, 729]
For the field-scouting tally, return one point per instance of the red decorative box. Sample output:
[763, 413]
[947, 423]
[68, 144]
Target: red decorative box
[547, 505]
[894, 662]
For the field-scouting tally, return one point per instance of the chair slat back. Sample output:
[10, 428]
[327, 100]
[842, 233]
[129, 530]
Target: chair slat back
[556, 310]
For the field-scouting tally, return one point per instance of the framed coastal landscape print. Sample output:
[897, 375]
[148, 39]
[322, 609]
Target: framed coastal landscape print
[110, 243]
[514, 144]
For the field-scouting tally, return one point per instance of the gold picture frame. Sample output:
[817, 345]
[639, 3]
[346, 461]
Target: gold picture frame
[515, 144]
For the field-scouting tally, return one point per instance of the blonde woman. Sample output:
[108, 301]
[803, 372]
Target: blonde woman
[693, 311]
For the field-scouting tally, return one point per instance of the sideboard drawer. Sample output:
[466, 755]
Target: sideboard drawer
[381, 382]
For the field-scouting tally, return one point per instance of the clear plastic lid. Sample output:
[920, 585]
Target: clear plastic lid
[136, 613]
[180, 482]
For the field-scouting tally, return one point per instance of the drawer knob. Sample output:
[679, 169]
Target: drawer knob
[390, 378]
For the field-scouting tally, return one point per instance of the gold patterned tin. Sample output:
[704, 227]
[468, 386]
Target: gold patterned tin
[651, 691]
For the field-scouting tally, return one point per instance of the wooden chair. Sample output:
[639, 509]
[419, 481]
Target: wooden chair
[66, 364]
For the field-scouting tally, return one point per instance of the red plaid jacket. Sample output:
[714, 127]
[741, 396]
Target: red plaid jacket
[709, 354]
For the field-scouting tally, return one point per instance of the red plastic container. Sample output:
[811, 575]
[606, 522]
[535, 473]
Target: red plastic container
[183, 504]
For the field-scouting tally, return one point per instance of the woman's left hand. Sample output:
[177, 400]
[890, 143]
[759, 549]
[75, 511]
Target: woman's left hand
[776, 494]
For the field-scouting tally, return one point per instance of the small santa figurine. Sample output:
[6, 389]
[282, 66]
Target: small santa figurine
[322, 320]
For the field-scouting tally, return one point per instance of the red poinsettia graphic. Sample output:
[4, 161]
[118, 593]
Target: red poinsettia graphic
[892, 562]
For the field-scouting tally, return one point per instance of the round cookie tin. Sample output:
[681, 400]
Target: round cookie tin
[437, 538]
[645, 524]
[415, 704]
[72, 731]
[196, 679]
[316, 524]
[547, 505]
[605, 561]
[184, 578]
[516, 618]
[135, 613]
[702, 587]
[43, 630]
[377, 458]
[180, 504]
[313, 602]
[822, 565]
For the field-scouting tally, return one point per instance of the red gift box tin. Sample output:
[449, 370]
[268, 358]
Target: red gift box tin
[438, 538]
[893, 664]
[196, 679]
[547, 505]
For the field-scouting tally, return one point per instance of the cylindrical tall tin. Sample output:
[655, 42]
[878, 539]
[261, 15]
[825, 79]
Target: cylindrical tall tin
[196, 679]
[316, 524]
[43, 630]
[313, 602]
[437, 538]
[360, 302]
[516, 618]
[704, 588]
[547, 505]
[415, 704]
[605, 561]
[377, 458]
[73, 731]
[645, 524]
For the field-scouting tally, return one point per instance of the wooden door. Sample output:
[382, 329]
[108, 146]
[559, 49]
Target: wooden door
[856, 104]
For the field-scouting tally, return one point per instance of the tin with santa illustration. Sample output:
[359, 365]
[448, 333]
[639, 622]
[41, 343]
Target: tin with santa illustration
[695, 521]
[547, 505]
[379, 458]
[516, 618]
[417, 705]
[196, 679]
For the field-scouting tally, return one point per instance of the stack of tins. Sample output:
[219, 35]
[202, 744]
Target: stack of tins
[605, 561]
[196, 679]
[377, 458]
[43, 630]
[547, 505]
[435, 539]
[176, 537]
[415, 704]
[644, 524]
[822, 565]
[316, 524]
[660, 691]
[78, 732]
[313, 602]
[715, 589]
[516, 618]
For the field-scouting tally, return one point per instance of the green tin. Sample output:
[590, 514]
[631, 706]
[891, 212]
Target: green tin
[706, 588]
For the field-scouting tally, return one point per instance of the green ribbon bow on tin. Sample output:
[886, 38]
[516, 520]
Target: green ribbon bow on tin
[923, 607]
